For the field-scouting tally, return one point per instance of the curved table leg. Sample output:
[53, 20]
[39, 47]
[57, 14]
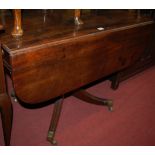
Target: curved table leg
[82, 95]
[54, 121]
[87, 97]
[7, 116]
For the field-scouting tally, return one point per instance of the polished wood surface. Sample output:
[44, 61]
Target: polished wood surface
[58, 60]
[17, 30]
[147, 59]
[40, 31]
[55, 56]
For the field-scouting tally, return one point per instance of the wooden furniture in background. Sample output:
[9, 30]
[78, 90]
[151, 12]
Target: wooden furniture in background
[50, 62]
[18, 31]
[77, 17]
[5, 104]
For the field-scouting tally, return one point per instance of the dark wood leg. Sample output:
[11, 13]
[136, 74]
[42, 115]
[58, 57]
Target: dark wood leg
[87, 97]
[7, 116]
[5, 105]
[82, 95]
[115, 81]
[54, 121]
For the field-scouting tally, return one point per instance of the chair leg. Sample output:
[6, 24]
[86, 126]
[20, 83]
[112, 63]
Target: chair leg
[7, 116]
[54, 121]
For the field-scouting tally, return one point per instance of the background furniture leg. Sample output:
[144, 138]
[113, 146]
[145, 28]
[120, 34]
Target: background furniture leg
[77, 15]
[17, 30]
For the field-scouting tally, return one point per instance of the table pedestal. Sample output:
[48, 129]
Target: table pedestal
[82, 95]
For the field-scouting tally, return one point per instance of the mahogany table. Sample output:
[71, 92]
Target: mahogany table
[54, 58]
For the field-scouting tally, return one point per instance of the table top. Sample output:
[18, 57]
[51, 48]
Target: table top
[50, 28]
[59, 57]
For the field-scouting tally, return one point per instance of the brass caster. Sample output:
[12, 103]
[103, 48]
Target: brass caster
[15, 100]
[14, 96]
[50, 138]
[110, 109]
[109, 103]
[54, 142]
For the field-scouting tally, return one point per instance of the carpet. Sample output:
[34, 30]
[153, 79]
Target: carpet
[132, 123]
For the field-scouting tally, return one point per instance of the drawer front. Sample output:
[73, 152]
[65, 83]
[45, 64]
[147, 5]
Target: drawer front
[42, 74]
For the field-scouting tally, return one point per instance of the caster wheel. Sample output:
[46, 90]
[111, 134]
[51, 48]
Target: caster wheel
[110, 105]
[14, 96]
[110, 109]
[15, 100]
[54, 142]
[50, 138]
